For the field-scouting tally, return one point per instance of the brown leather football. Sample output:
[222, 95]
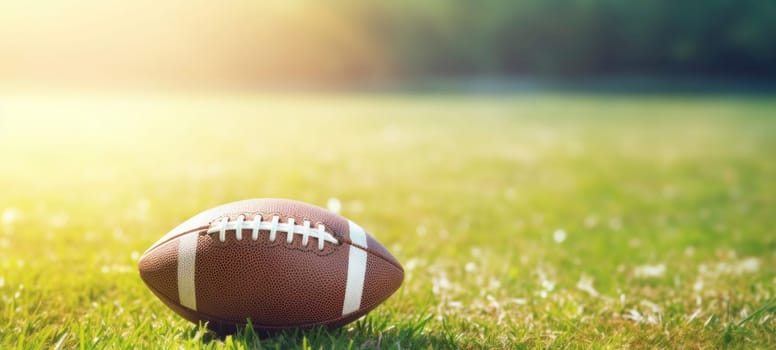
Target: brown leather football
[280, 263]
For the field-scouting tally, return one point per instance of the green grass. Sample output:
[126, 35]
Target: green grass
[666, 205]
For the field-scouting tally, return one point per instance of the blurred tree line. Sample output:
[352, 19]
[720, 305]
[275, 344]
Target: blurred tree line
[339, 42]
[571, 38]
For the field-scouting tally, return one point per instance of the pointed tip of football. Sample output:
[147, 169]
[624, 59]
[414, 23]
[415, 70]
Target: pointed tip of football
[384, 277]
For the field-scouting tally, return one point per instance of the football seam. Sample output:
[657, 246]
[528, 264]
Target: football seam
[344, 240]
[277, 243]
[159, 244]
[307, 228]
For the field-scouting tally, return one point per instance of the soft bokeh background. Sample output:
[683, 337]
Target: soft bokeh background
[339, 43]
[552, 174]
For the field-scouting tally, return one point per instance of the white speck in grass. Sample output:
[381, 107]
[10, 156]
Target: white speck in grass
[470, 267]
[479, 280]
[59, 220]
[135, 255]
[634, 315]
[116, 269]
[694, 315]
[421, 230]
[710, 321]
[615, 223]
[654, 319]
[650, 271]
[454, 304]
[60, 341]
[744, 313]
[440, 283]
[411, 264]
[492, 302]
[334, 205]
[651, 306]
[735, 267]
[585, 284]
[2, 282]
[543, 294]
[748, 265]
[494, 284]
[591, 221]
[20, 263]
[356, 206]
[764, 320]
[689, 251]
[10, 215]
[559, 236]
[698, 285]
[548, 285]
[476, 252]
[119, 235]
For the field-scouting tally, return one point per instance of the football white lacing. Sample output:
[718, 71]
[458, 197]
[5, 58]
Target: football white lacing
[256, 225]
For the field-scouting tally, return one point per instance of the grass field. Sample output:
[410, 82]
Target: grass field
[534, 221]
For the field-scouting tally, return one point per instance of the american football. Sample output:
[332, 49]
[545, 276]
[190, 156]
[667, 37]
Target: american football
[512, 174]
[279, 263]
